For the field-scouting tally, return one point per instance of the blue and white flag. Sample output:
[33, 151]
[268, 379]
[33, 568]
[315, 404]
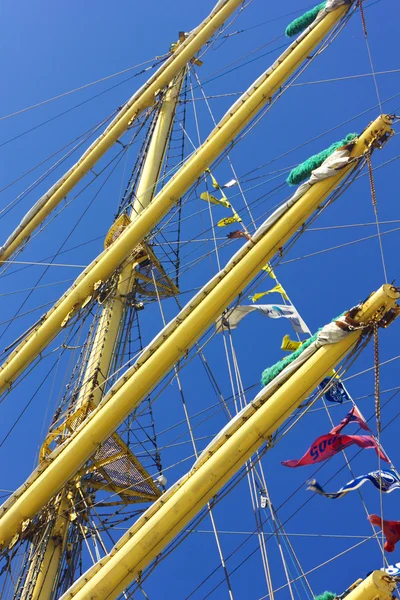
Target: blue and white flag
[272, 311]
[336, 392]
[392, 570]
[387, 481]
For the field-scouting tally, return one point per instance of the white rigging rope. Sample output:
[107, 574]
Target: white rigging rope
[241, 394]
[196, 454]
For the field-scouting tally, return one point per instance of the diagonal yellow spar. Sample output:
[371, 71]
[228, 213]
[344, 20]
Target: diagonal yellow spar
[237, 442]
[173, 341]
[141, 100]
[377, 586]
[237, 117]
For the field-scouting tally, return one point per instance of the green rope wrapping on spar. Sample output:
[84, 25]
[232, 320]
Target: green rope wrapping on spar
[301, 23]
[271, 372]
[326, 596]
[304, 170]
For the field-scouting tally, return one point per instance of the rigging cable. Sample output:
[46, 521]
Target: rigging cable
[89, 132]
[254, 499]
[82, 87]
[186, 413]
[68, 110]
[241, 396]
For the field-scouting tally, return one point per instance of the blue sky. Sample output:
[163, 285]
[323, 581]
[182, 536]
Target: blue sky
[49, 49]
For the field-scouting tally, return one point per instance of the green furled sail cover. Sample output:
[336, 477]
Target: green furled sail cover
[303, 171]
[271, 372]
[301, 23]
[326, 596]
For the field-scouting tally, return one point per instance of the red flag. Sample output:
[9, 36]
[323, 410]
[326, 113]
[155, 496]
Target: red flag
[354, 416]
[233, 235]
[329, 444]
[391, 530]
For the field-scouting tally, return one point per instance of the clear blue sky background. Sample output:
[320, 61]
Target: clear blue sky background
[50, 48]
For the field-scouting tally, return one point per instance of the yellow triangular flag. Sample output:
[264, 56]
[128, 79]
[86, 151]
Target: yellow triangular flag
[214, 181]
[289, 345]
[213, 200]
[209, 198]
[278, 288]
[229, 220]
[269, 270]
[225, 202]
[258, 296]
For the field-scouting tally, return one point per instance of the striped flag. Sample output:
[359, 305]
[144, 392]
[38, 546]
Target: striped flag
[385, 481]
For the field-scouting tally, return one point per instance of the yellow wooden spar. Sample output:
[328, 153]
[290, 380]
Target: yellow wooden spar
[106, 263]
[174, 510]
[141, 100]
[171, 345]
[377, 586]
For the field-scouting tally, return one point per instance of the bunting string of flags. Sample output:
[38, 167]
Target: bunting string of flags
[229, 220]
[239, 233]
[268, 269]
[223, 201]
[215, 183]
[336, 391]
[213, 200]
[385, 481]
[392, 570]
[278, 288]
[289, 345]
[333, 442]
[391, 531]
[273, 311]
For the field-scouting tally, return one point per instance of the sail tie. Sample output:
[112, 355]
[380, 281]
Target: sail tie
[303, 170]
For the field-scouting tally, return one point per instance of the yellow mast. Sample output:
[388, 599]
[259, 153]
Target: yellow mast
[144, 541]
[377, 586]
[141, 100]
[170, 345]
[105, 264]
[99, 361]
[43, 571]
[108, 328]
